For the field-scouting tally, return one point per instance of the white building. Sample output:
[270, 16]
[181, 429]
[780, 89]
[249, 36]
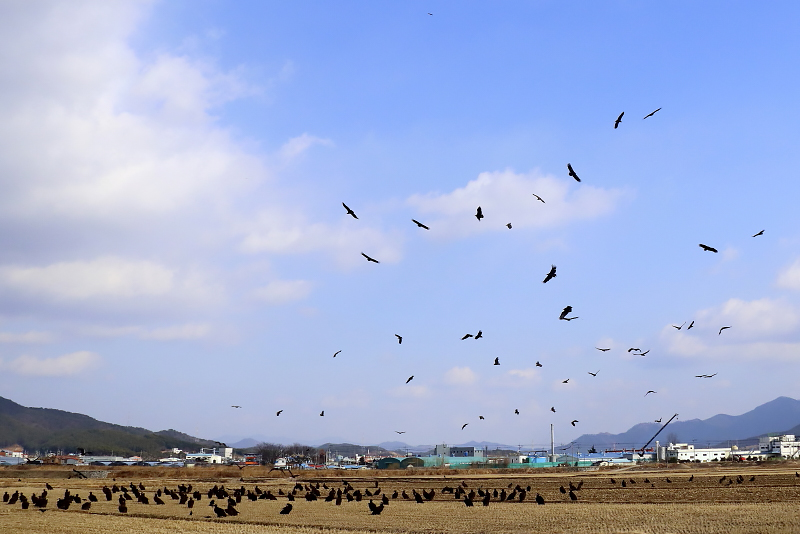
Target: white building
[785, 446]
[684, 452]
[211, 456]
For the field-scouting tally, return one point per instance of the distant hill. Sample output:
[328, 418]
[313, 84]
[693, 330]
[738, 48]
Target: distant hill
[349, 449]
[773, 416]
[46, 429]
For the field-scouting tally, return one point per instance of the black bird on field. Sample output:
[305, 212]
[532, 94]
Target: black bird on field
[651, 113]
[286, 509]
[566, 311]
[538, 364]
[349, 211]
[419, 224]
[539, 499]
[479, 214]
[278, 413]
[497, 361]
[464, 426]
[723, 328]
[707, 248]
[410, 378]
[336, 353]
[759, 233]
[593, 374]
[399, 339]
[572, 496]
[572, 172]
[550, 275]
[678, 327]
[574, 421]
[538, 198]
[373, 260]
[602, 350]
[619, 120]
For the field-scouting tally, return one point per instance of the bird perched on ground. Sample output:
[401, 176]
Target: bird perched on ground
[349, 211]
[322, 413]
[649, 392]
[508, 226]
[574, 421]
[759, 233]
[651, 113]
[572, 172]
[539, 499]
[565, 312]
[497, 361]
[723, 328]
[678, 327]
[602, 350]
[419, 224]
[550, 275]
[538, 198]
[410, 378]
[479, 214]
[516, 411]
[593, 374]
[373, 260]
[286, 509]
[399, 339]
[709, 249]
[335, 353]
[464, 426]
[619, 120]
[538, 364]
[278, 413]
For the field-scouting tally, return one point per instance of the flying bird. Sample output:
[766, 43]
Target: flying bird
[497, 361]
[480, 417]
[553, 409]
[539, 198]
[479, 334]
[643, 353]
[678, 327]
[723, 328]
[335, 353]
[322, 413]
[398, 432]
[399, 339]
[572, 172]
[632, 349]
[658, 420]
[652, 113]
[419, 224]
[574, 421]
[565, 381]
[705, 376]
[234, 406]
[564, 312]
[602, 350]
[479, 214]
[349, 211]
[550, 275]
[466, 336]
[709, 249]
[410, 378]
[619, 120]
[373, 260]
[509, 226]
[516, 411]
[278, 413]
[594, 374]
[690, 326]
[538, 364]
[464, 426]
[649, 392]
[759, 233]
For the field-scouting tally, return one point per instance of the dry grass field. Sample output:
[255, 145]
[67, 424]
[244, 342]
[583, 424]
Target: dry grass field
[749, 499]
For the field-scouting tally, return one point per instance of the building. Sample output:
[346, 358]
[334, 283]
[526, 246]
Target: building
[785, 446]
[444, 450]
[684, 452]
[211, 456]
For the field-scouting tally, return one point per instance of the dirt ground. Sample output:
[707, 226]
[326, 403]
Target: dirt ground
[739, 498]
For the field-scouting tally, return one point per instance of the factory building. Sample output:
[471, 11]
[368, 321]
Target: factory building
[785, 446]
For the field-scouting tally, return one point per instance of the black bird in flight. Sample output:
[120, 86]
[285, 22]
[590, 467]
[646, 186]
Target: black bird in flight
[649, 392]
[278, 413]
[651, 113]
[466, 336]
[410, 378]
[619, 120]
[419, 224]
[539, 198]
[479, 214]
[349, 211]
[538, 364]
[572, 172]
[479, 334]
[509, 226]
[658, 420]
[550, 275]
[678, 327]
[643, 353]
[690, 326]
[497, 361]
[723, 328]
[234, 406]
[565, 381]
[399, 339]
[709, 249]
[553, 409]
[322, 413]
[564, 312]
[398, 432]
[594, 374]
[632, 349]
[516, 411]
[574, 421]
[335, 353]
[464, 426]
[480, 417]
[602, 350]
[373, 260]
[759, 233]
[705, 376]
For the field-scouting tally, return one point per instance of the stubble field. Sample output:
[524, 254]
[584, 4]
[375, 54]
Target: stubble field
[748, 499]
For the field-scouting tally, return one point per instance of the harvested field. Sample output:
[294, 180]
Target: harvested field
[706, 503]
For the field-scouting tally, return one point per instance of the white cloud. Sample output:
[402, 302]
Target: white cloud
[297, 145]
[25, 337]
[460, 376]
[525, 374]
[181, 332]
[789, 278]
[283, 291]
[507, 197]
[67, 364]
[750, 319]
[410, 391]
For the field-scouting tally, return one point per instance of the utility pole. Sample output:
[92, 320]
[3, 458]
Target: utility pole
[552, 442]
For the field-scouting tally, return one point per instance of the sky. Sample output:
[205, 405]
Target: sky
[173, 240]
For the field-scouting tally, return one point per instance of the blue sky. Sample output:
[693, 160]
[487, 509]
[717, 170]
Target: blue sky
[174, 241]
